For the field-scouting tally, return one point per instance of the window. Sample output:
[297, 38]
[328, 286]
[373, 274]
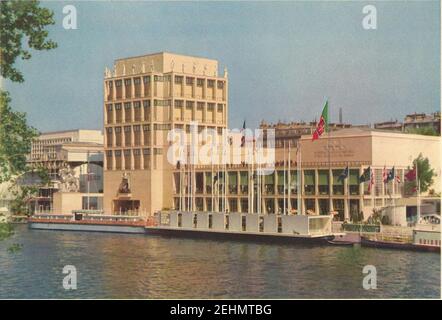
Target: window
[158, 78]
[126, 128]
[189, 81]
[137, 128]
[200, 105]
[220, 84]
[220, 108]
[127, 105]
[109, 107]
[179, 103]
[157, 151]
[200, 82]
[146, 152]
[146, 103]
[127, 152]
[159, 126]
[210, 83]
[178, 79]
[137, 81]
[161, 103]
[117, 129]
[146, 79]
[146, 127]
[210, 106]
[118, 153]
[189, 104]
[109, 130]
[137, 104]
[127, 82]
[118, 83]
[118, 106]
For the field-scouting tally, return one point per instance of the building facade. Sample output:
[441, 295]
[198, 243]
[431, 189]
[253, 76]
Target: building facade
[144, 98]
[229, 188]
[74, 162]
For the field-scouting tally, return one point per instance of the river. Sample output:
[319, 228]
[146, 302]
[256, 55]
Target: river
[140, 266]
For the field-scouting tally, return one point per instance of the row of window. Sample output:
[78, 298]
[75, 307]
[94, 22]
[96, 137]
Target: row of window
[136, 152]
[167, 78]
[165, 103]
[430, 242]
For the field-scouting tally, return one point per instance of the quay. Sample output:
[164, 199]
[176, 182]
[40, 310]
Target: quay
[244, 226]
[87, 222]
[273, 228]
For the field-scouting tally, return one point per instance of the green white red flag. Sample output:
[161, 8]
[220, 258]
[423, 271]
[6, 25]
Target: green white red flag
[322, 125]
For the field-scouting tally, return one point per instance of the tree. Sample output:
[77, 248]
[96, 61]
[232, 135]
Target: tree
[19, 19]
[426, 131]
[425, 175]
[15, 140]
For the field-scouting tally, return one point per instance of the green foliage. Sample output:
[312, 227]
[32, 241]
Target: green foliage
[426, 131]
[425, 173]
[6, 230]
[21, 20]
[15, 140]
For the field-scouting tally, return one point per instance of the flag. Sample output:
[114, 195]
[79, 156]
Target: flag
[398, 179]
[384, 175]
[411, 174]
[322, 125]
[243, 137]
[365, 175]
[390, 175]
[371, 181]
[343, 175]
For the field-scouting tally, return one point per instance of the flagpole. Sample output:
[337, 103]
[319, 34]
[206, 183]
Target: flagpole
[418, 196]
[289, 207]
[299, 179]
[329, 164]
[284, 186]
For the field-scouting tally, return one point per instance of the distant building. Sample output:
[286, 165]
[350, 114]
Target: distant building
[74, 160]
[412, 121]
[286, 132]
[422, 120]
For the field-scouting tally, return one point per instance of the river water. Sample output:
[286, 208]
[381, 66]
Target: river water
[140, 266]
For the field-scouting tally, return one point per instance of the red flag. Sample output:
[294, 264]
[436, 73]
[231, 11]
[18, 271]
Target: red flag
[411, 175]
[384, 175]
[322, 125]
[371, 181]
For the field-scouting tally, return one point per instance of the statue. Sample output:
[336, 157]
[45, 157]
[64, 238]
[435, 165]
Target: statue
[124, 184]
[68, 181]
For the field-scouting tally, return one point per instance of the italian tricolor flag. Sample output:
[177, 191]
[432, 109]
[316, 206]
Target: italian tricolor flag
[322, 125]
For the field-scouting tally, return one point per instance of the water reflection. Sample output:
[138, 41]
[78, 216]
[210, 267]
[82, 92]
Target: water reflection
[137, 266]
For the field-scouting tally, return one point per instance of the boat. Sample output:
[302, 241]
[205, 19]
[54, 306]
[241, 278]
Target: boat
[340, 243]
[375, 243]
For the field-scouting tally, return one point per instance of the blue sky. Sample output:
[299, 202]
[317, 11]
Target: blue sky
[284, 58]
